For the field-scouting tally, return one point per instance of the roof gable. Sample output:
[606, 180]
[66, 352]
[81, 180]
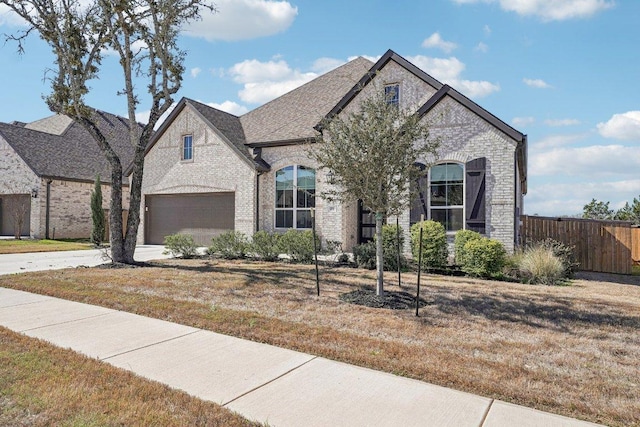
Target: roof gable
[293, 115]
[442, 90]
[69, 152]
[227, 126]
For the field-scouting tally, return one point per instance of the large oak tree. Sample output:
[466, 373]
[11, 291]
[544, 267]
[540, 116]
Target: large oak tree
[143, 34]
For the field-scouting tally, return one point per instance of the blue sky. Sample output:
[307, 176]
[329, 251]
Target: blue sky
[565, 72]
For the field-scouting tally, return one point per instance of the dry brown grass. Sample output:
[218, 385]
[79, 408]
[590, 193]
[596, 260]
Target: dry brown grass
[42, 385]
[570, 350]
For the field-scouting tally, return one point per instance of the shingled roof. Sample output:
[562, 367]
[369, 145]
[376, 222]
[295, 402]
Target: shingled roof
[57, 147]
[293, 115]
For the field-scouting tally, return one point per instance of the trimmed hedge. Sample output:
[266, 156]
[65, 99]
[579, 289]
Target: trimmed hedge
[229, 245]
[298, 245]
[265, 245]
[462, 237]
[434, 244]
[180, 245]
[483, 258]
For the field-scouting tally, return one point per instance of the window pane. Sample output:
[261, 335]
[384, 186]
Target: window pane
[187, 147]
[454, 172]
[456, 220]
[439, 215]
[303, 219]
[284, 178]
[392, 94]
[454, 195]
[439, 173]
[306, 178]
[284, 219]
[284, 198]
[439, 195]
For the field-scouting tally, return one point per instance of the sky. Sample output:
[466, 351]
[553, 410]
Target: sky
[564, 72]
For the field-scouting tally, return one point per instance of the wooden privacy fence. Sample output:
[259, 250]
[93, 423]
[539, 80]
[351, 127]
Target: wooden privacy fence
[603, 246]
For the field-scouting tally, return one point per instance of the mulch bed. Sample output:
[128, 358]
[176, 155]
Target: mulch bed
[393, 300]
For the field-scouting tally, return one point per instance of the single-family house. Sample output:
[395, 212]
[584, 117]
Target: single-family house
[47, 173]
[207, 171]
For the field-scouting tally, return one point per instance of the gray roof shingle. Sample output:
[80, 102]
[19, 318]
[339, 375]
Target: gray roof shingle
[69, 153]
[293, 115]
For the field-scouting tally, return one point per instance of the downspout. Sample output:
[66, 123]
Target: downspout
[47, 210]
[257, 228]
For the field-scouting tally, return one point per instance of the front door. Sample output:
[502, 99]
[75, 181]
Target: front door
[366, 224]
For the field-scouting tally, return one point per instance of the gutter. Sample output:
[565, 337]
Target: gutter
[47, 209]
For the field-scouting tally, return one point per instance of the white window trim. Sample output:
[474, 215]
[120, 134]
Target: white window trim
[294, 208]
[182, 140]
[464, 194]
[386, 85]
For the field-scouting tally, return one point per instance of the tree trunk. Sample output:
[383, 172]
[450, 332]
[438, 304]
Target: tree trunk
[379, 255]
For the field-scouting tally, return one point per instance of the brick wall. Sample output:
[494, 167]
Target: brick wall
[215, 167]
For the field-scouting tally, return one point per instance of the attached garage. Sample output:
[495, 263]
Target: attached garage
[15, 208]
[202, 215]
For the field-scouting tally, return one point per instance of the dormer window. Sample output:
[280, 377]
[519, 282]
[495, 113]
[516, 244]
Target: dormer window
[392, 94]
[187, 147]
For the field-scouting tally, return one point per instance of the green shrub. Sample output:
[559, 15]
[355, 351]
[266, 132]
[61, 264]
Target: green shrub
[462, 237]
[298, 245]
[483, 257]
[180, 245]
[265, 245]
[390, 248]
[229, 245]
[364, 255]
[434, 244]
[539, 265]
[564, 254]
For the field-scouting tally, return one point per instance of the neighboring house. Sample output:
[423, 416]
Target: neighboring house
[207, 171]
[47, 172]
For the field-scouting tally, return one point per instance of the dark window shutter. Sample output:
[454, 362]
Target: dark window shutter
[475, 195]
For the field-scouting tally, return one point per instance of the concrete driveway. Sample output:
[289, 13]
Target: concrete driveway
[21, 263]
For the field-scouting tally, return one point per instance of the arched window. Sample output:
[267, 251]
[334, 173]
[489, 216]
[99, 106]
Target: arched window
[295, 196]
[441, 196]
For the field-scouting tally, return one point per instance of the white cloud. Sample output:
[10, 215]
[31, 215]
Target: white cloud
[487, 30]
[230, 107]
[622, 126]
[264, 81]
[561, 122]
[550, 10]
[449, 70]
[554, 199]
[555, 141]
[523, 121]
[323, 65]
[195, 71]
[591, 161]
[243, 19]
[537, 83]
[436, 41]
[9, 18]
[482, 47]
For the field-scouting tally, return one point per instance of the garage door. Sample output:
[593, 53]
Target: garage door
[14, 208]
[201, 215]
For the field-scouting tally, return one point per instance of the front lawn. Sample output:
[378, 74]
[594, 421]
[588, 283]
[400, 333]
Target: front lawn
[571, 350]
[42, 385]
[12, 246]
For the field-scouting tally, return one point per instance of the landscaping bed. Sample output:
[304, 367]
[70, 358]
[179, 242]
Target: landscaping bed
[571, 350]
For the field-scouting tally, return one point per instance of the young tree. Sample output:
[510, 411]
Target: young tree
[97, 214]
[373, 154]
[597, 210]
[18, 214]
[143, 34]
[630, 212]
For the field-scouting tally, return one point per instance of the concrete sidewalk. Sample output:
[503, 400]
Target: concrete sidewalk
[263, 383]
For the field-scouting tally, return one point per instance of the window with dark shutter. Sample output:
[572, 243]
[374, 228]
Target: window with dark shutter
[475, 195]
